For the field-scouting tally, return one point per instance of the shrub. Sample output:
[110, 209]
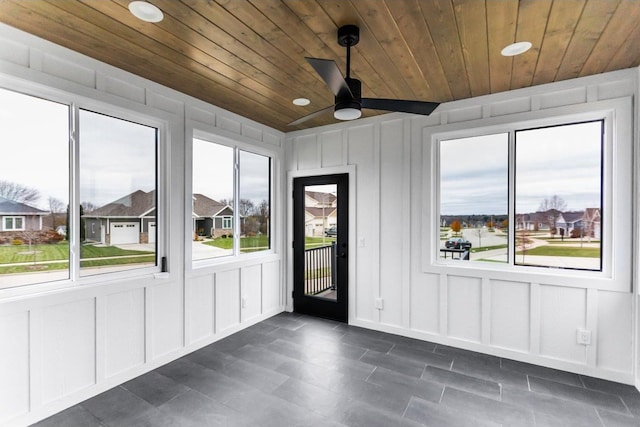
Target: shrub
[16, 242]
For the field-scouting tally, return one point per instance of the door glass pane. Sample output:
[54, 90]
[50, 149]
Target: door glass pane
[212, 200]
[254, 201]
[321, 230]
[474, 198]
[34, 190]
[559, 196]
[117, 194]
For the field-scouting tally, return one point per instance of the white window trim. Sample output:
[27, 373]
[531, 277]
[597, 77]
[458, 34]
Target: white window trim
[145, 116]
[13, 222]
[227, 220]
[197, 130]
[617, 168]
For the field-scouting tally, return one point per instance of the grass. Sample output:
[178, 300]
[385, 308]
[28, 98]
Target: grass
[247, 244]
[566, 251]
[488, 248]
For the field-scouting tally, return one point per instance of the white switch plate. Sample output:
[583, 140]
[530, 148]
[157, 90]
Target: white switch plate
[243, 302]
[583, 336]
[361, 242]
[379, 303]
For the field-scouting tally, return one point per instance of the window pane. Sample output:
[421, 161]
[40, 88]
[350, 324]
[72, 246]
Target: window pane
[34, 183]
[255, 202]
[474, 198]
[559, 196]
[212, 200]
[117, 193]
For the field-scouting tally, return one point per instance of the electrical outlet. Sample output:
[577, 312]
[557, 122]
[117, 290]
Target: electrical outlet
[583, 336]
[379, 304]
[361, 242]
[243, 302]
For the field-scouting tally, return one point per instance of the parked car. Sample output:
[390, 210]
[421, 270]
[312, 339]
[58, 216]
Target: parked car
[457, 243]
[331, 232]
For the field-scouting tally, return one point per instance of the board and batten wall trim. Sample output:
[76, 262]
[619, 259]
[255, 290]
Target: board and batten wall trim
[65, 345]
[508, 315]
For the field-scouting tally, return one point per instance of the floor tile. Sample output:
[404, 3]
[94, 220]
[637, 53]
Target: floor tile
[254, 375]
[542, 372]
[423, 356]
[363, 415]
[259, 356]
[155, 388]
[462, 382]
[435, 415]
[488, 369]
[395, 382]
[399, 364]
[74, 416]
[312, 397]
[615, 419]
[117, 406]
[195, 409]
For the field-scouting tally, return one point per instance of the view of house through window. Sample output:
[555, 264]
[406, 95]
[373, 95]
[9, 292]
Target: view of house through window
[117, 194]
[215, 208]
[558, 197]
[34, 190]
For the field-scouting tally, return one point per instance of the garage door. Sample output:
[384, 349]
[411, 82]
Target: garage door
[152, 232]
[124, 232]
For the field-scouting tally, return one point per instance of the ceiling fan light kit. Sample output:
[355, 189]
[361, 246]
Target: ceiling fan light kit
[347, 91]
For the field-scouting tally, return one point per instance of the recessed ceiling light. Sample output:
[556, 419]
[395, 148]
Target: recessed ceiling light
[145, 11]
[301, 101]
[516, 49]
[347, 114]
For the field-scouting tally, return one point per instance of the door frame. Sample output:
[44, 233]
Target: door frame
[351, 171]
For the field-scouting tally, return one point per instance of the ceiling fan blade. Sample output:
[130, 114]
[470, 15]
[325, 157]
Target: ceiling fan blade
[415, 107]
[330, 73]
[310, 116]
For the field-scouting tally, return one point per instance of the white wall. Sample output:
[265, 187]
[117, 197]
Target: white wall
[510, 315]
[61, 345]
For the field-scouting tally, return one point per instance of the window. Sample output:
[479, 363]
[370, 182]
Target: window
[13, 223]
[556, 187]
[113, 178]
[229, 183]
[117, 191]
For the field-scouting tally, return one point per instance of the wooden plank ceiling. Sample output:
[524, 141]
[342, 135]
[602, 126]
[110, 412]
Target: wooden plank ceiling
[248, 56]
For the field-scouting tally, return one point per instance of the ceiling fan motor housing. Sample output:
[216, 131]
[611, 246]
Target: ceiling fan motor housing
[348, 102]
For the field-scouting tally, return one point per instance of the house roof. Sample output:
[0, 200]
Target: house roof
[320, 212]
[248, 56]
[326, 198]
[206, 207]
[11, 207]
[571, 217]
[134, 205]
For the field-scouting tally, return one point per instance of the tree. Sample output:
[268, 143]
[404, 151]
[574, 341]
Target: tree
[246, 207]
[505, 223]
[262, 211]
[18, 192]
[89, 207]
[552, 208]
[56, 206]
[456, 226]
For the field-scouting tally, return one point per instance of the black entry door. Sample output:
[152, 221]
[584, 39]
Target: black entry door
[321, 232]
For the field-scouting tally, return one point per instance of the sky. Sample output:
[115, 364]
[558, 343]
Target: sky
[561, 160]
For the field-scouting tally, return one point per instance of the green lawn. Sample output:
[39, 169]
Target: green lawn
[488, 248]
[568, 251]
[10, 254]
[247, 244]
[316, 242]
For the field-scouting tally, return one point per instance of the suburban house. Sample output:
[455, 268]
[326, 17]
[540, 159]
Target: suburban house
[385, 99]
[16, 216]
[320, 212]
[130, 219]
[211, 218]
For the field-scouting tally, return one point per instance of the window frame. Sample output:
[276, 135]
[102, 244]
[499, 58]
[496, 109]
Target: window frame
[139, 114]
[13, 222]
[616, 168]
[237, 143]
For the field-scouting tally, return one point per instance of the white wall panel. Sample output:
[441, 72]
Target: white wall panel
[563, 97]
[307, 152]
[271, 293]
[229, 124]
[122, 89]
[227, 300]
[562, 312]
[425, 304]
[166, 318]
[361, 153]
[124, 333]
[615, 320]
[68, 350]
[464, 308]
[14, 52]
[14, 365]
[251, 292]
[392, 220]
[200, 291]
[331, 143]
[510, 302]
[68, 70]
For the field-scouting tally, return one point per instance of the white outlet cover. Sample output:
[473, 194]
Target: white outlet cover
[583, 336]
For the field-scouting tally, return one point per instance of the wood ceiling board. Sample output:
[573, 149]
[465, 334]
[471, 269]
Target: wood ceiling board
[414, 30]
[502, 17]
[623, 22]
[563, 20]
[473, 36]
[595, 18]
[532, 21]
[442, 25]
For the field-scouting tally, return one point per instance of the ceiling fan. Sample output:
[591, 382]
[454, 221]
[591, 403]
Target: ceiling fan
[347, 91]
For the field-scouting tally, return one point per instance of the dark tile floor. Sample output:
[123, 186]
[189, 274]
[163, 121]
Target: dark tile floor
[294, 370]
